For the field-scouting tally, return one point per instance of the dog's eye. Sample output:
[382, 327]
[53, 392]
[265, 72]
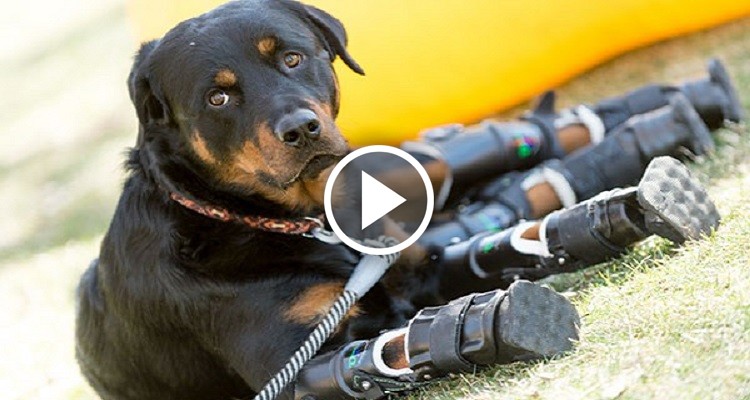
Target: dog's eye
[218, 98]
[292, 59]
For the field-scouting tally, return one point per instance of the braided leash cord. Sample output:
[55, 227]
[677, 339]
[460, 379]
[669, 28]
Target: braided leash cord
[311, 346]
[325, 328]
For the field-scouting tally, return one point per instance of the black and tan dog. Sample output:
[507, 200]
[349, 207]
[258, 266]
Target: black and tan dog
[236, 111]
[208, 279]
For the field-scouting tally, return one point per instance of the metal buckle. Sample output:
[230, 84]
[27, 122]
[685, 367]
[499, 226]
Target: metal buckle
[320, 233]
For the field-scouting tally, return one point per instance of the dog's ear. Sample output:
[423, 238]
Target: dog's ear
[149, 103]
[333, 34]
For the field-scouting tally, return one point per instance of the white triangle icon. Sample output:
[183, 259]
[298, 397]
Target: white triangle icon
[377, 200]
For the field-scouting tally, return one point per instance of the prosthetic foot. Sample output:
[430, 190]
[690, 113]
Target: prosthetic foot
[617, 161]
[668, 202]
[714, 97]
[477, 153]
[525, 322]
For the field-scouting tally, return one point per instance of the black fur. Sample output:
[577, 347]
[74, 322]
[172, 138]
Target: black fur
[180, 306]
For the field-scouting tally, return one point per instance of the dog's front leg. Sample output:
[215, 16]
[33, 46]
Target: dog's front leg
[526, 321]
[257, 330]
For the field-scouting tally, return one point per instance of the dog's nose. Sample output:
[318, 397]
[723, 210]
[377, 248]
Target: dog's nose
[297, 126]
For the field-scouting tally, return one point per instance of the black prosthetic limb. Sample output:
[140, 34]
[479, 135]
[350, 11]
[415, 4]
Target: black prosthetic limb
[354, 371]
[621, 158]
[714, 98]
[480, 152]
[668, 202]
[525, 322]
[475, 218]
[617, 161]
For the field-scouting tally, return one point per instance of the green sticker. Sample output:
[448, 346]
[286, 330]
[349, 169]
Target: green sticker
[524, 150]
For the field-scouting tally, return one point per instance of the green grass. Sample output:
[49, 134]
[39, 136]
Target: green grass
[659, 323]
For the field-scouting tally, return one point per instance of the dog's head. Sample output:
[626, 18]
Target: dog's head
[241, 101]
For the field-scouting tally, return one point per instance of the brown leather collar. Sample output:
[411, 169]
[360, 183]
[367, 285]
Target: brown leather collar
[289, 226]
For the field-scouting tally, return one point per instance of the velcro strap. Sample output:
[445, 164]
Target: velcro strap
[445, 336]
[572, 238]
[645, 99]
[551, 147]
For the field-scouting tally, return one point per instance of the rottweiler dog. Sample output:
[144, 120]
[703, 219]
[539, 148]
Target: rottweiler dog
[203, 288]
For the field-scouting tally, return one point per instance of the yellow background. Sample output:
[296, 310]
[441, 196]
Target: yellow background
[430, 62]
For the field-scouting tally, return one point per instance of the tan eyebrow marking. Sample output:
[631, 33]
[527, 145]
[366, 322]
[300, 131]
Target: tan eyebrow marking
[225, 78]
[267, 46]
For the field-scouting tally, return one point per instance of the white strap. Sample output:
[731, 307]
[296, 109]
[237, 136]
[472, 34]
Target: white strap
[592, 122]
[565, 118]
[561, 186]
[528, 246]
[377, 353]
[543, 233]
[534, 178]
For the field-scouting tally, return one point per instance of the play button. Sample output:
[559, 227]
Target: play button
[377, 200]
[378, 191]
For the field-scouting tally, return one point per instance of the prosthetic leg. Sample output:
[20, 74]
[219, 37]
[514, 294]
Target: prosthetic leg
[668, 202]
[527, 321]
[618, 161]
[477, 153]
[468, 156]
[714, 98]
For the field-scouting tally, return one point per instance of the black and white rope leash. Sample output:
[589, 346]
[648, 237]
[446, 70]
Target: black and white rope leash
[314, 342]
[369, 270]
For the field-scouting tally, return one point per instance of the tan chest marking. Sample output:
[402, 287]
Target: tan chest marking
[313, 304]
